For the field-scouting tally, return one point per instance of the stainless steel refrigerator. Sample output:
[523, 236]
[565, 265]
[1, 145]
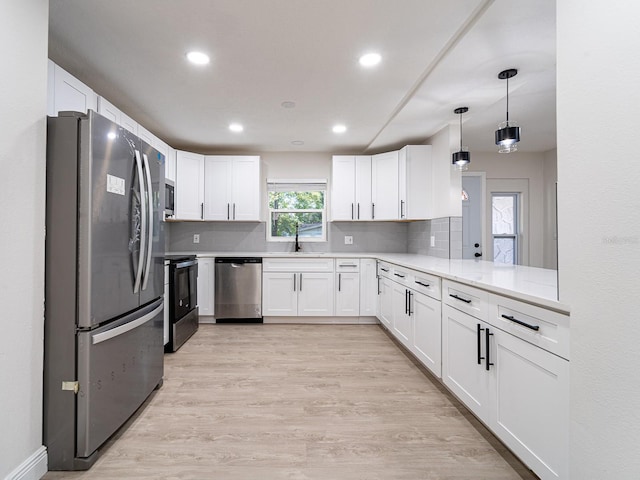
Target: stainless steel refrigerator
[104, 283]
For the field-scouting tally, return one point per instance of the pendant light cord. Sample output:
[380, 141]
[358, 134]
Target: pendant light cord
[507, 101]
[461, 132]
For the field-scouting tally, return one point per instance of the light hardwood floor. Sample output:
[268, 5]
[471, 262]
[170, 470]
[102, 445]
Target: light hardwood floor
[300, 402]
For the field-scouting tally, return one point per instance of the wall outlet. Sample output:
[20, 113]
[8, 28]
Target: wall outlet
[348, 239]
[433, 240]
[196, 238]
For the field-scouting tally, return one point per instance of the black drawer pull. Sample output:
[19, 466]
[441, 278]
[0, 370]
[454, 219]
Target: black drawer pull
[384, 269]
[423, 284]
[520, 322]
[459, 298]
[398, 275]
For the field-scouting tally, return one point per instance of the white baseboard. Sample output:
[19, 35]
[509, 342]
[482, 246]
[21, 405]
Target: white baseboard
[33, 468]
[321, 320]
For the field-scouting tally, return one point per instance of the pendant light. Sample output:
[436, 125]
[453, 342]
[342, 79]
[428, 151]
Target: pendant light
[508, 133]
[461, 159]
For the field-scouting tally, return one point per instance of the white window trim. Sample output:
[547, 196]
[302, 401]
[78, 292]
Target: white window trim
[306, 181]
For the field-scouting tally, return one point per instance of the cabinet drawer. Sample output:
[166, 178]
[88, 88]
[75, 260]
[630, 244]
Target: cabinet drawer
[467, 299]
[541, 327]
[346, 265]
[427, 284]
[401, 275]
[297, 265]
[385, 270]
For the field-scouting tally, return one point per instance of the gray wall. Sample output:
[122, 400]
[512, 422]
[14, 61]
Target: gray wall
[370, 237]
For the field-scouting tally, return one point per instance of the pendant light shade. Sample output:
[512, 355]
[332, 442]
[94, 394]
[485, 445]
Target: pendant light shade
[461, 159]
[508, 133]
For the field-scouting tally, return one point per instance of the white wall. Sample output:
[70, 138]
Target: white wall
[599, 230]
[519, 165]
[23, 103]
[549, 216]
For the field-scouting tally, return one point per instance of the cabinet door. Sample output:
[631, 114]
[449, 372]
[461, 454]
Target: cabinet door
[427, 331]
[363, 188]
[531, 409]
[368, 287]
[315, 295]
[245, 188]
[217, 188]
[415, 182]
[129, 123]
[384, 186]
[402, 321]
[279, 294]
[206, 286]
[147, 136]
[108, 110]
[170, 165]
[386, 302]
[69, 93]
[189, 186]
[462, 346]
[343, 184]
[347, 294]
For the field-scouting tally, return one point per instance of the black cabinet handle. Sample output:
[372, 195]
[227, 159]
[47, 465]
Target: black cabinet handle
[520, 322]
[480, 357]
[228, 217]
[300, 282]
[339, 281]
[294, 282]
[352, 211]
[202, 211]
[460, 298]
[401, 208]
[406, 301]
[410, 295]
[384, 269]
[358, 210]
[423, 284]
[234, 211]
[373, 211]
[487, 335]
[398, 275]
[379, 292]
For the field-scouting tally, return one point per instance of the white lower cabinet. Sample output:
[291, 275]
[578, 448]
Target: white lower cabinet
[297, 287]
[402, 321]
[368, 288]
[206, 287]
[463, 360]
[385, 309]
[427, 331]
[347, 294]
[530, 410]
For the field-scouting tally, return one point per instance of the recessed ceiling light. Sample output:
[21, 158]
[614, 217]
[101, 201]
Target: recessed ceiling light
[236, 127]
[297, 142]
[370, 59]
[198, 58]
[339, 129]
[288, 104]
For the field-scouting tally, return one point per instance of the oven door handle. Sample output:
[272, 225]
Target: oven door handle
[185, 264]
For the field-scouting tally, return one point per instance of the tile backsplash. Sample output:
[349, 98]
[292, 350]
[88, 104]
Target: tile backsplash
[378, 237]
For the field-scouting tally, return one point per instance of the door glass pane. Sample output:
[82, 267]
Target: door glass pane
[504, 250]
[502, 208]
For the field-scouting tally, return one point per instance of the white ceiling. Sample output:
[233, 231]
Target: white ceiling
[436, 55]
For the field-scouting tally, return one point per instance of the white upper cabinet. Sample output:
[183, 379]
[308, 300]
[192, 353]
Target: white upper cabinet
[217, 187]
[232, 188]
[128, 123]
[170, 165]
[108, 110]
[147, 136]
[384, 186]
[189, 186]
[351, 187]
[414, 182]
[67, 93]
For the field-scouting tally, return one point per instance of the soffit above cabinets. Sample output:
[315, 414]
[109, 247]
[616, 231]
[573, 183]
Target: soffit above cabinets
[436, 55]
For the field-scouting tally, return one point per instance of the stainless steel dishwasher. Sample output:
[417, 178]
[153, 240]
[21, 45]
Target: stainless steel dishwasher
[238, 289]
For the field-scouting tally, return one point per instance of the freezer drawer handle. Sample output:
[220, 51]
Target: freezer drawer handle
[114, 332]
[460, 298]
[520, 322]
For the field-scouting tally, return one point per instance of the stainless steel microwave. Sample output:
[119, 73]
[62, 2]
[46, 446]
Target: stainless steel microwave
[169, 198]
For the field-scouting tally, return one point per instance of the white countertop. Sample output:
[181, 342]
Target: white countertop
[530, 284]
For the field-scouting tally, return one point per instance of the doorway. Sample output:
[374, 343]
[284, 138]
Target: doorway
[473, 214]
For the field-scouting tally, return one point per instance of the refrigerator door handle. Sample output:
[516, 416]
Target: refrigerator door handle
[147, 268]
[127, 327]
[143, 224]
